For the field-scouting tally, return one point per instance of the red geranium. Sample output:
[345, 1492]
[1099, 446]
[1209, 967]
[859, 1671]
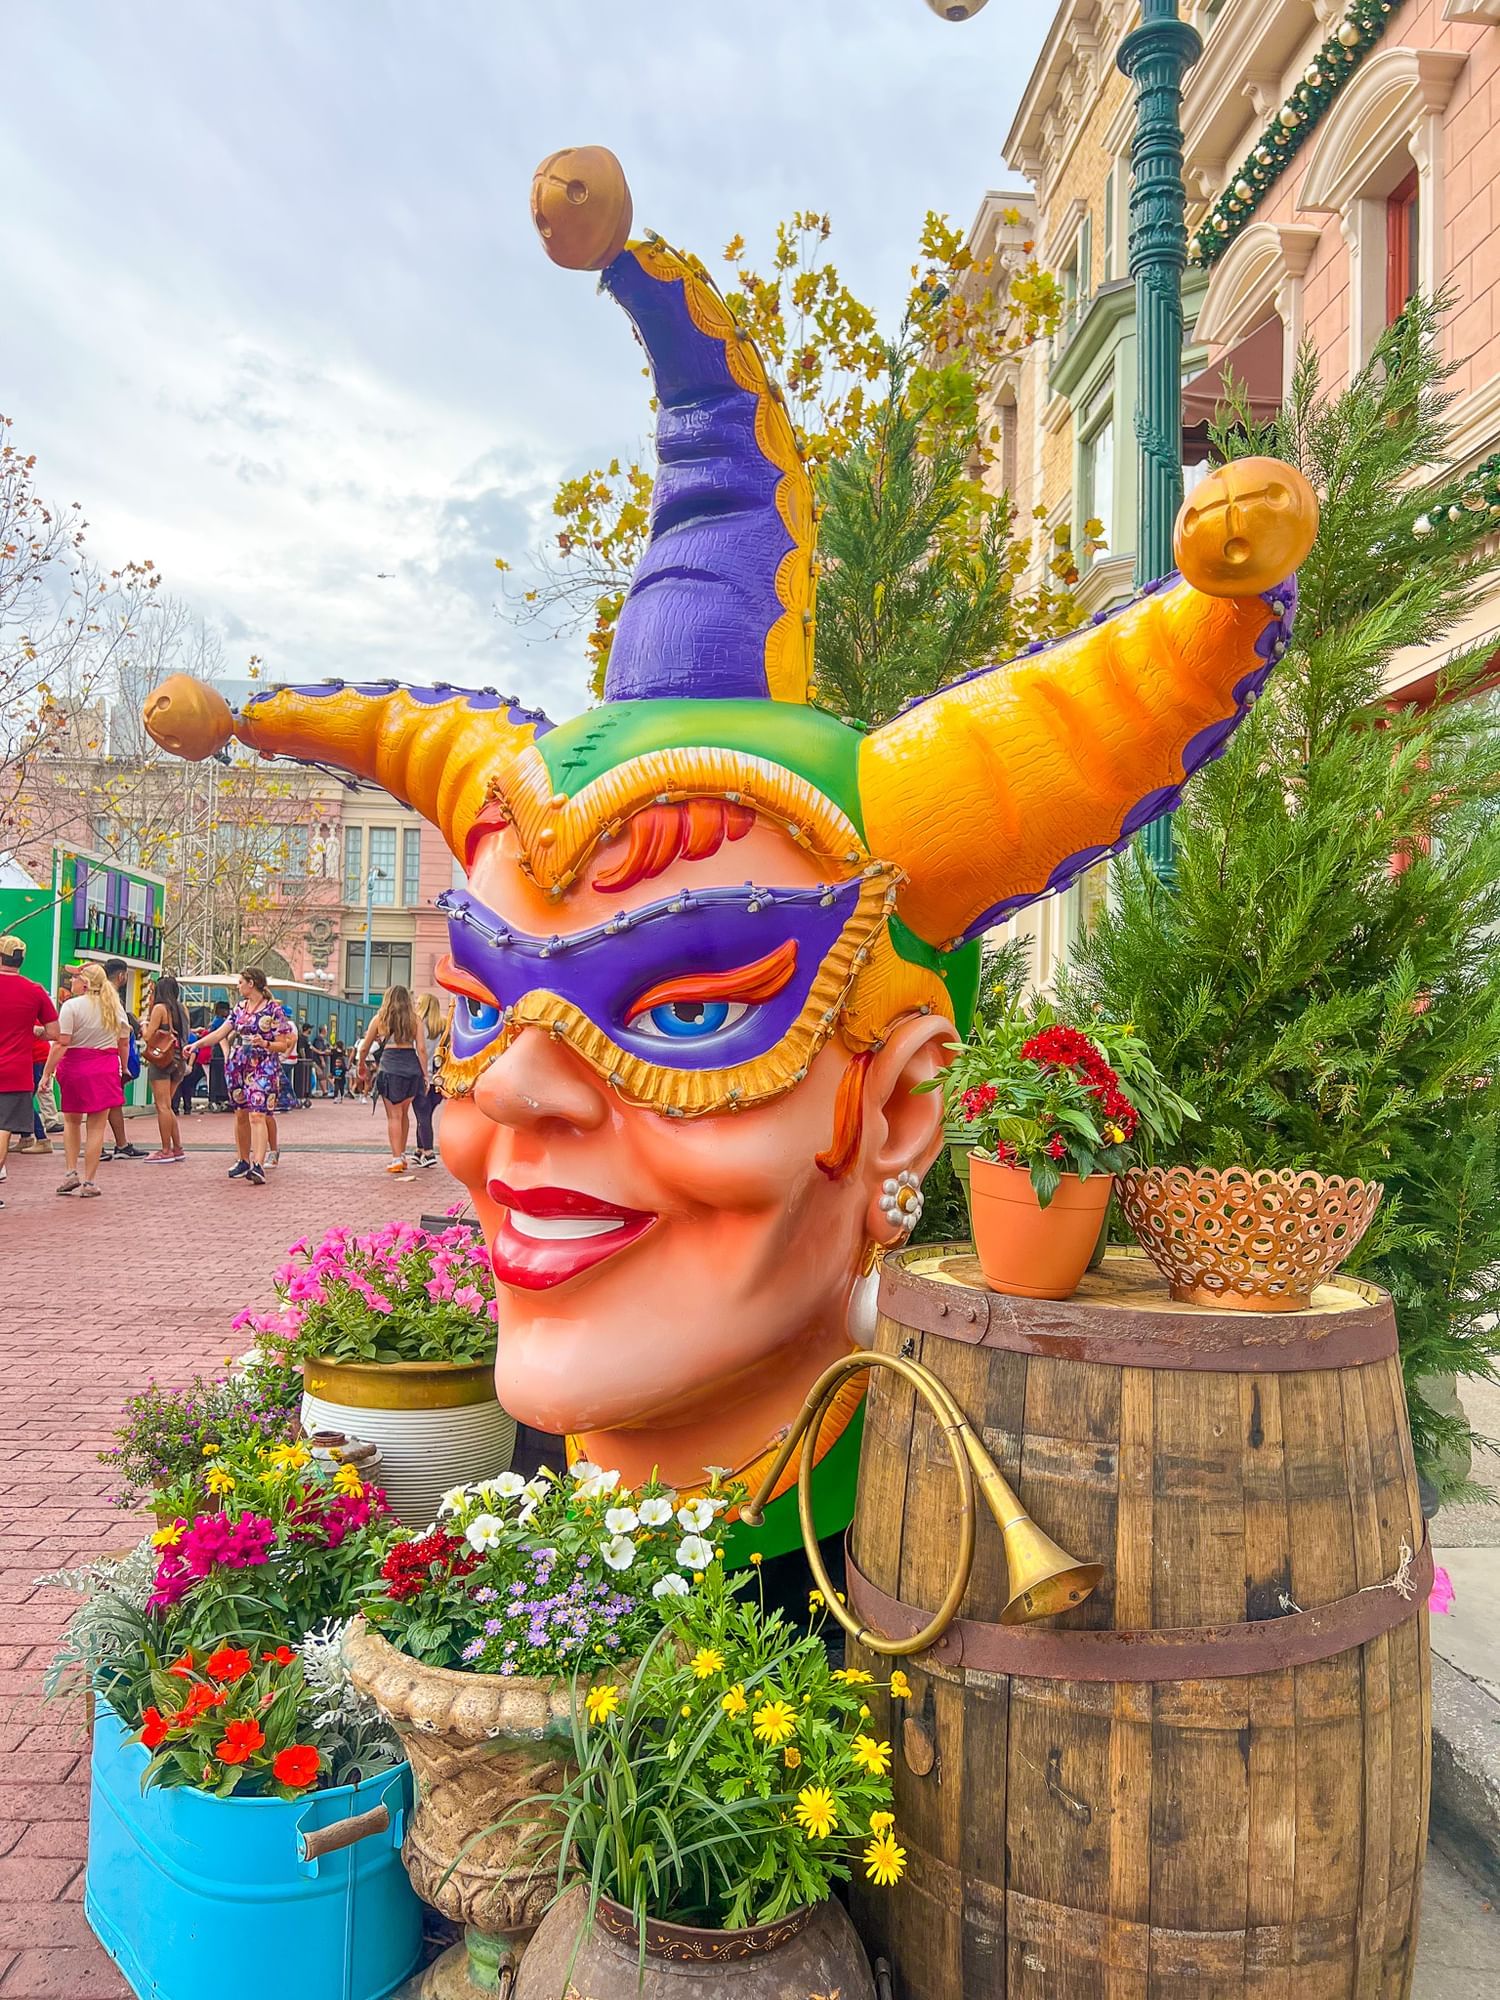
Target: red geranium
[296, 1765]
[283, 1656]
[182, 1666]
[240, 1741]
[411, 1566]
[228, 1664]
[154, 1727]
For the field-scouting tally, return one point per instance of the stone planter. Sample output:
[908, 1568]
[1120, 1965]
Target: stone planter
[812, 1951]
[478, 1746]
[437, 1424]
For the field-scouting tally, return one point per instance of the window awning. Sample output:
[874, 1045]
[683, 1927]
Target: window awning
[1256, 363]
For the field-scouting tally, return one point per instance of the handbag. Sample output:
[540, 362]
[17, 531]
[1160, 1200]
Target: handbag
[164, 1048]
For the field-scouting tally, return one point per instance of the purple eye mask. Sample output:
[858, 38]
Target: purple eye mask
[602, 971]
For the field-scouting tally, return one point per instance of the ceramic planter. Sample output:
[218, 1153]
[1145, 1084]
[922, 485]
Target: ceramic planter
[479, 1745]
[187, 1892]
[1024, 1249]
[811, 1951]
[437, 1424]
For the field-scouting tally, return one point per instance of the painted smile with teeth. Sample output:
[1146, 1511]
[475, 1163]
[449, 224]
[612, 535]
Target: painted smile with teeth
[549, 1235]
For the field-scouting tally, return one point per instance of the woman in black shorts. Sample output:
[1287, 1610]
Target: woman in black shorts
[402, 1075]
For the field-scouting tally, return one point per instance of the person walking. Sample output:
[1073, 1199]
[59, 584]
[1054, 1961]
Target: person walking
[117, 972]
[26, 1012]
[401, 1075]
[257, 1031]
[434, 1020]
[338, 1069]
[164, 1044]
[88, 1060]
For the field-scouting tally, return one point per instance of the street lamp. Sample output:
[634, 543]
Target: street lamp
[375, 875]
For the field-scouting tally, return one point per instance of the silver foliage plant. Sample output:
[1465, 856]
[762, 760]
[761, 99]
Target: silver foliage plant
[110, 1623]
[350, 1730]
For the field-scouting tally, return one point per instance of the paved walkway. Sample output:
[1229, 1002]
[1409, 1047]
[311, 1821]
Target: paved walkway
[96, 1299]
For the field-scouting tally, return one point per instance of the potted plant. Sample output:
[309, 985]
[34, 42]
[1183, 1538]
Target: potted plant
[394, 1332]
[164, 1431]
[473, 1645]
[1053, 1122]
[244, 1798]
[715, 1801]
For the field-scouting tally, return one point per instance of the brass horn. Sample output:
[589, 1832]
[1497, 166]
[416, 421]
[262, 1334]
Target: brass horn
[1044, 1579]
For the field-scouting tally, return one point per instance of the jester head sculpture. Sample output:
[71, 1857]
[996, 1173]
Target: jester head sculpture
[713, 938]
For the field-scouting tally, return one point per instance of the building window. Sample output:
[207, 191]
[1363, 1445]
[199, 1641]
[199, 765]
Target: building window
[1097, 486]
[1110, 198]
[383, 864]
[390, 965]
[354, 885]
[1402, 247]
[295, 862]
[411, 865]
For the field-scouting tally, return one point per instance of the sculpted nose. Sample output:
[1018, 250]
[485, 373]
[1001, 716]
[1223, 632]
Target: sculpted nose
[538, 1080]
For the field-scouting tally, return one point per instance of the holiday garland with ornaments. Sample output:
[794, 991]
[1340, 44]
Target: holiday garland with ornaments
[1325, 76]
[1478, 492]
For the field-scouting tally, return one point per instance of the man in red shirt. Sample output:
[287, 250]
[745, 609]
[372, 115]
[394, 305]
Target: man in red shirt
[26, 1010]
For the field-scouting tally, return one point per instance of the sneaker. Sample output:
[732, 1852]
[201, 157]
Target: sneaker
[2, 1173]
[89, 1189]
[255, 1176]
[239, 1170]
[274, 1159]
[427, 1159]
[69, 1184]
[179, 1154]
[396, 1167]
[129, 1152]
[106, 1156]
[53, 1124]
[35, 1146]
[161, 1154]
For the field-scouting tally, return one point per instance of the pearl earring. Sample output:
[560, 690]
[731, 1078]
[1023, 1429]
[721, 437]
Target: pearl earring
[901, 1202]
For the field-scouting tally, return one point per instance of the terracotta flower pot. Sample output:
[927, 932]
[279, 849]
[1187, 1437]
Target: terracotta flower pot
[811, 1951]
[1027, 1250]
[478, 1745]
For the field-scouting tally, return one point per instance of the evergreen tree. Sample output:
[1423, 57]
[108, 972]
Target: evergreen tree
[1322, 980]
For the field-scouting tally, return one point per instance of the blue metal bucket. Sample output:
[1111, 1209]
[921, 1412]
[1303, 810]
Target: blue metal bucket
[190, 1894]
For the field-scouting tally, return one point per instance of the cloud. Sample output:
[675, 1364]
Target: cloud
[275, 310]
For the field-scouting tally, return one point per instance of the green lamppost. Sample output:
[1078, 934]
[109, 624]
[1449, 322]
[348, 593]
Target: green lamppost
[1156, 56]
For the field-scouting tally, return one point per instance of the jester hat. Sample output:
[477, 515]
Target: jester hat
[924, 832]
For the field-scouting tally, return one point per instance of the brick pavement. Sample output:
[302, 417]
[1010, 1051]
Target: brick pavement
[96, 1299]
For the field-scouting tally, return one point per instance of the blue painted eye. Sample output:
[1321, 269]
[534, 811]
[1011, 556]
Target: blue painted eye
[691, 1020]
[481, 1016]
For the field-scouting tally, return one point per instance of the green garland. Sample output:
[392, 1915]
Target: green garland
[1459, 505]
[1325, 76]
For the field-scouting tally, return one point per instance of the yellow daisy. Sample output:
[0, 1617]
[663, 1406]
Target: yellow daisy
[686, 1708]
[900, 1685]
[885, 1862]
[871, 1756]
[707, 1661]
[816, 1600]
[169, 1536]
[734, 1703]
[882, 1822]
[218, 1480]
[791, 1756]
[756, 1559]
[602, 1703]
[347, 1480]
[211, 1451]
[289, 1457]
[815, 1811]
[774, 1722]
[854, 1676]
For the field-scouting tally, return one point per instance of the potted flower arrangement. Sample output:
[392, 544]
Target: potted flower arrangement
[164, 1431]
[1056, 1114]
[243, 1796]
[394, 1333]
[714, 1802]
[472, 1647]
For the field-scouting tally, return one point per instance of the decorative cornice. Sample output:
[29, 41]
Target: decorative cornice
[1395, 93]
[1249, 276]
[1479, 12]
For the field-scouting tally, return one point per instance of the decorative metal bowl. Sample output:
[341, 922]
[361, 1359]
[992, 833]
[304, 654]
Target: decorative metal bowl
[1246, 1238]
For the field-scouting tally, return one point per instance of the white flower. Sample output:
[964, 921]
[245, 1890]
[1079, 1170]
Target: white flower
[620, 1520]
[694, 1553]
[671, 1585]
[508, 1485]
[598, 1484]
[484, 1532]
[584, 1468]
[619, 1553]
[656, 1513]
[453, 1500]
[698, 1515]
[534, 1489]
[526, 1513]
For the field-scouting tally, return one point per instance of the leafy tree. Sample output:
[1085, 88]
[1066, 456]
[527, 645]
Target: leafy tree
[918, 568]
[1322, 980]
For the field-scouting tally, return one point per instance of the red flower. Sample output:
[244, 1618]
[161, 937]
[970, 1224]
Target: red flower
[182, 1666]
[200, 1700]
[154, 1727]
[297, 1765]
[239, 1742]
[283, 1656]
[1057, 1147]
[229, 1663]
[977, 1101]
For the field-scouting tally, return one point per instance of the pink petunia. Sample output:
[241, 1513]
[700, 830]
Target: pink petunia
[1441, 1600]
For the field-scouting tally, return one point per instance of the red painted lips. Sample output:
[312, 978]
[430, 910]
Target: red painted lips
[550, 1235]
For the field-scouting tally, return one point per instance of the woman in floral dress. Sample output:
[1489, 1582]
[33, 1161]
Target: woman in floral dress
[259, 1029]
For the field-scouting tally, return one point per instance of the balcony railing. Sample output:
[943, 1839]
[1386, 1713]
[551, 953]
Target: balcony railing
[124, 936]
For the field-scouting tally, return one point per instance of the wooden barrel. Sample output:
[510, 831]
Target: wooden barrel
[1211, 1778]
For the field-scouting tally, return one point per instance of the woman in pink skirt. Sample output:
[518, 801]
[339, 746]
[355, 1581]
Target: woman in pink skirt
[89, 1059]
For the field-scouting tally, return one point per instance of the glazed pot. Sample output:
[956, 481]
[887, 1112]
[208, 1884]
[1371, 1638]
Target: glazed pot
[478, 1745]
[812, 1951]
[437, 1424]
[1024, 1249]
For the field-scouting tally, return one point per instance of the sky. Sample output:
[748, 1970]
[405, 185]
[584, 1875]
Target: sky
[275, 314]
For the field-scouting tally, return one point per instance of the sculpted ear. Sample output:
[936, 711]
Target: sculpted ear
[903, 1127]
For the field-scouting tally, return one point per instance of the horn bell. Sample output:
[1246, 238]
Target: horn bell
[1044, 1578]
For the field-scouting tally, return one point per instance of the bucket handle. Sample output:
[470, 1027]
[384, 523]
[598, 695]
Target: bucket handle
[313, 1845]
